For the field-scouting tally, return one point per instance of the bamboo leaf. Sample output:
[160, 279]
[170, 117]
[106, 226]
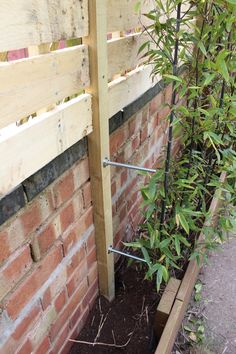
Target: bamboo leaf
[184, 223]
[173, 77]
[177, 245]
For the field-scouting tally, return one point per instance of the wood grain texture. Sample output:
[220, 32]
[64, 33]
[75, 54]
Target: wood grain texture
[99, 146]
[128, 88]
[28, 85]
[25, 23]
[123, 54]
[26, 149]
[121, 15]
[171, 329]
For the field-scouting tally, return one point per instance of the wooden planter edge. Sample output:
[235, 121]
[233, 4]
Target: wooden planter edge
[183, 293]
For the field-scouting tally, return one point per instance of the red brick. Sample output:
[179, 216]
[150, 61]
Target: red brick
[26, 348]
[78, 275]
[117, 139]
[60, 301]
[4, 249]
[67, 216]
[90, 243]
[145, 114]
[93, 274]
[81, 173]
[87, 197]
[135, 124]
[72, 304]
[123, 212]
[156, 104]
[126, 192]
[132, 200]
[46, 203]
[113, 188]
[123, 177]
[164, 112]
[136, 141]
[27, 322]
[64, 188]
[46, 238]
[31, 218]
[86, 220]
[62, 336]
[91, 295]
[16, 267]
[144, 134]
[91, 258]
[16, 302]
[78, 204]
[43, 347]
[152, 124]
[168, 93]
[127, 151]
[46, 299]
[75, 261]
[69, 239]
[78, 323]
[77, 313]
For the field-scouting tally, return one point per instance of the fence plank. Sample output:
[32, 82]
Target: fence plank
[129, 59]
[31, 146]
[99, 146]
[128, 88]
[121, 15]
[28, 85]
[24, 23]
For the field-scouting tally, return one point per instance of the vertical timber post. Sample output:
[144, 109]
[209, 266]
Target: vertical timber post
[98, 143]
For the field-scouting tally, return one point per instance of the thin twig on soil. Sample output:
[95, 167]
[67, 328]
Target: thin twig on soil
[101, 343]
[113, 335]
[101, 324]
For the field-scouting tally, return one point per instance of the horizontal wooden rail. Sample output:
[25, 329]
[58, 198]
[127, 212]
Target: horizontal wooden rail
[121, 15]
[123, 54]
[128, 88]
[24, 23]
[31, 146]
[28, 85]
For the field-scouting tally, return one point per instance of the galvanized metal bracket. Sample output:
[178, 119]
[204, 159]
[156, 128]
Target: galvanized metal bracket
[107, 162]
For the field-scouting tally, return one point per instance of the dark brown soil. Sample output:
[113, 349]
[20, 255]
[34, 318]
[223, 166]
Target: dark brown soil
[128, 318]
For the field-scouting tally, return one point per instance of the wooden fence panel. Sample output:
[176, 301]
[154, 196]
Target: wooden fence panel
[28, 85]
[127, 89]
[123, 53]
[31, 146]
[24, 23]
[121, 15]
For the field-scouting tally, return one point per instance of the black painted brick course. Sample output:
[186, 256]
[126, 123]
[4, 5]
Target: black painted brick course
[11, 203]
[49, 173]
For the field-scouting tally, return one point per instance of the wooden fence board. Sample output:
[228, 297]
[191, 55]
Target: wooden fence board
[128, 88]
[28, 85]
[123, 53]
[24, 23]
[31, 146]
[121, 15]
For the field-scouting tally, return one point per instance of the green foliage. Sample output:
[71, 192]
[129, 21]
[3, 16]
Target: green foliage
[192, 45]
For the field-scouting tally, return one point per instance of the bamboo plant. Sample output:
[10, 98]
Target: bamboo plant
[192, 45]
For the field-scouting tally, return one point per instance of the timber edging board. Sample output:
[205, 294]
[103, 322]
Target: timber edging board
[183, 296]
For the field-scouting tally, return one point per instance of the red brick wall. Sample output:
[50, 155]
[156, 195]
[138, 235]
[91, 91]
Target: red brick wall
[138, 141]
[48, 268]
[48, 272]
